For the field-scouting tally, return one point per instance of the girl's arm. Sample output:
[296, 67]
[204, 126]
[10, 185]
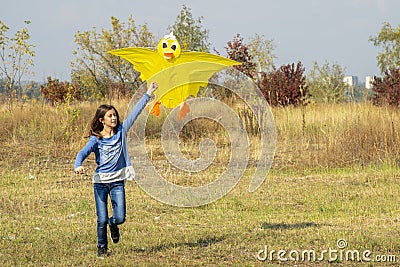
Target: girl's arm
[140, 105]
[83, 154]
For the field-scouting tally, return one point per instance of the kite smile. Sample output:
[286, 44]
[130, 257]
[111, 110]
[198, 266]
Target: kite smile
[168, 55]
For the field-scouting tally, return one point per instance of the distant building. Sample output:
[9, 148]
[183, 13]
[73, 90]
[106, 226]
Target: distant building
[351, 81]
[368, 82]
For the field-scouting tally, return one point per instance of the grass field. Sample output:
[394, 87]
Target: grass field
[335, 177]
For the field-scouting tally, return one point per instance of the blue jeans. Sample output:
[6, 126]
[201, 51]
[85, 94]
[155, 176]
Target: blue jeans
[116, 191]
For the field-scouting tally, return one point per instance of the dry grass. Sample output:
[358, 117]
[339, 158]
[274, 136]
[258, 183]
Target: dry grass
[326, 136]
[315, 136]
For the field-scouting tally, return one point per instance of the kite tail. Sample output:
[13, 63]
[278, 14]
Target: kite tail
[156, 109]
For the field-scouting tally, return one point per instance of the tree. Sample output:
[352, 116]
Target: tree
[284, 86]
[190, 32]
[326, 83]
[95, 70]
[387, 89]
[389, 40]
[261, 51]
[236, 50]
[16, 55]
[239, 51]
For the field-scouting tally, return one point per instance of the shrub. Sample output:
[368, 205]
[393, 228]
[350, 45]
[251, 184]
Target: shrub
[325, 84]
[284, 86]
[56, 91]
[387, 89]
[117, 90]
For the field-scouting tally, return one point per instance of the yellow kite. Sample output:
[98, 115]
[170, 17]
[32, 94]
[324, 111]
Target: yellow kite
[179, 74]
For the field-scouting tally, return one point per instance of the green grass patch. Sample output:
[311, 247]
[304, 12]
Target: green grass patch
[50, 220]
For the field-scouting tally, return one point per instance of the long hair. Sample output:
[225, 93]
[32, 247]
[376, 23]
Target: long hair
[96, 126]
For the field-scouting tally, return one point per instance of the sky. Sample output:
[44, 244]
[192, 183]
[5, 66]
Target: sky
[322, 31]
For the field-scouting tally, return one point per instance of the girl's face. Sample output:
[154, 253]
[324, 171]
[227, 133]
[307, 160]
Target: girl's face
[110, 119]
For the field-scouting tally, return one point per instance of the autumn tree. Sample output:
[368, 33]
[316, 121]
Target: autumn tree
[388, 39]
[236, 50]
[285, 85]
[262, 53]
[95, 71]
[387, 88]
[190, 32]
[16, 59]
[239, 51]
[326, 83]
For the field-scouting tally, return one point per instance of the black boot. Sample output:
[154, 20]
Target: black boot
[114, 233]
[101, 251]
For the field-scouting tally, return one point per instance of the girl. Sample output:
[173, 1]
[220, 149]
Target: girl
[108, 142]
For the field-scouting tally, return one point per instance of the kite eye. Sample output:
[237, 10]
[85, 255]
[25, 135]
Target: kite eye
[174, 45]
[164, 45]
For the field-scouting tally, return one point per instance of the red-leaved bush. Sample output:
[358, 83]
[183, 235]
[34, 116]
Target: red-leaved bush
[387, 89]
[284, 86]
[57, 92]
[239, 51]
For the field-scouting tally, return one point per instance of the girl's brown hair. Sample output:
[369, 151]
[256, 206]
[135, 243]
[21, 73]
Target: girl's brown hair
[96, 126]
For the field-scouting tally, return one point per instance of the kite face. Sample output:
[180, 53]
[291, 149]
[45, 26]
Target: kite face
[168, 47]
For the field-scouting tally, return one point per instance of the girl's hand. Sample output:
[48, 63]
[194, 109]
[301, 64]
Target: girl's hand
[152, 88]
[80, 170]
